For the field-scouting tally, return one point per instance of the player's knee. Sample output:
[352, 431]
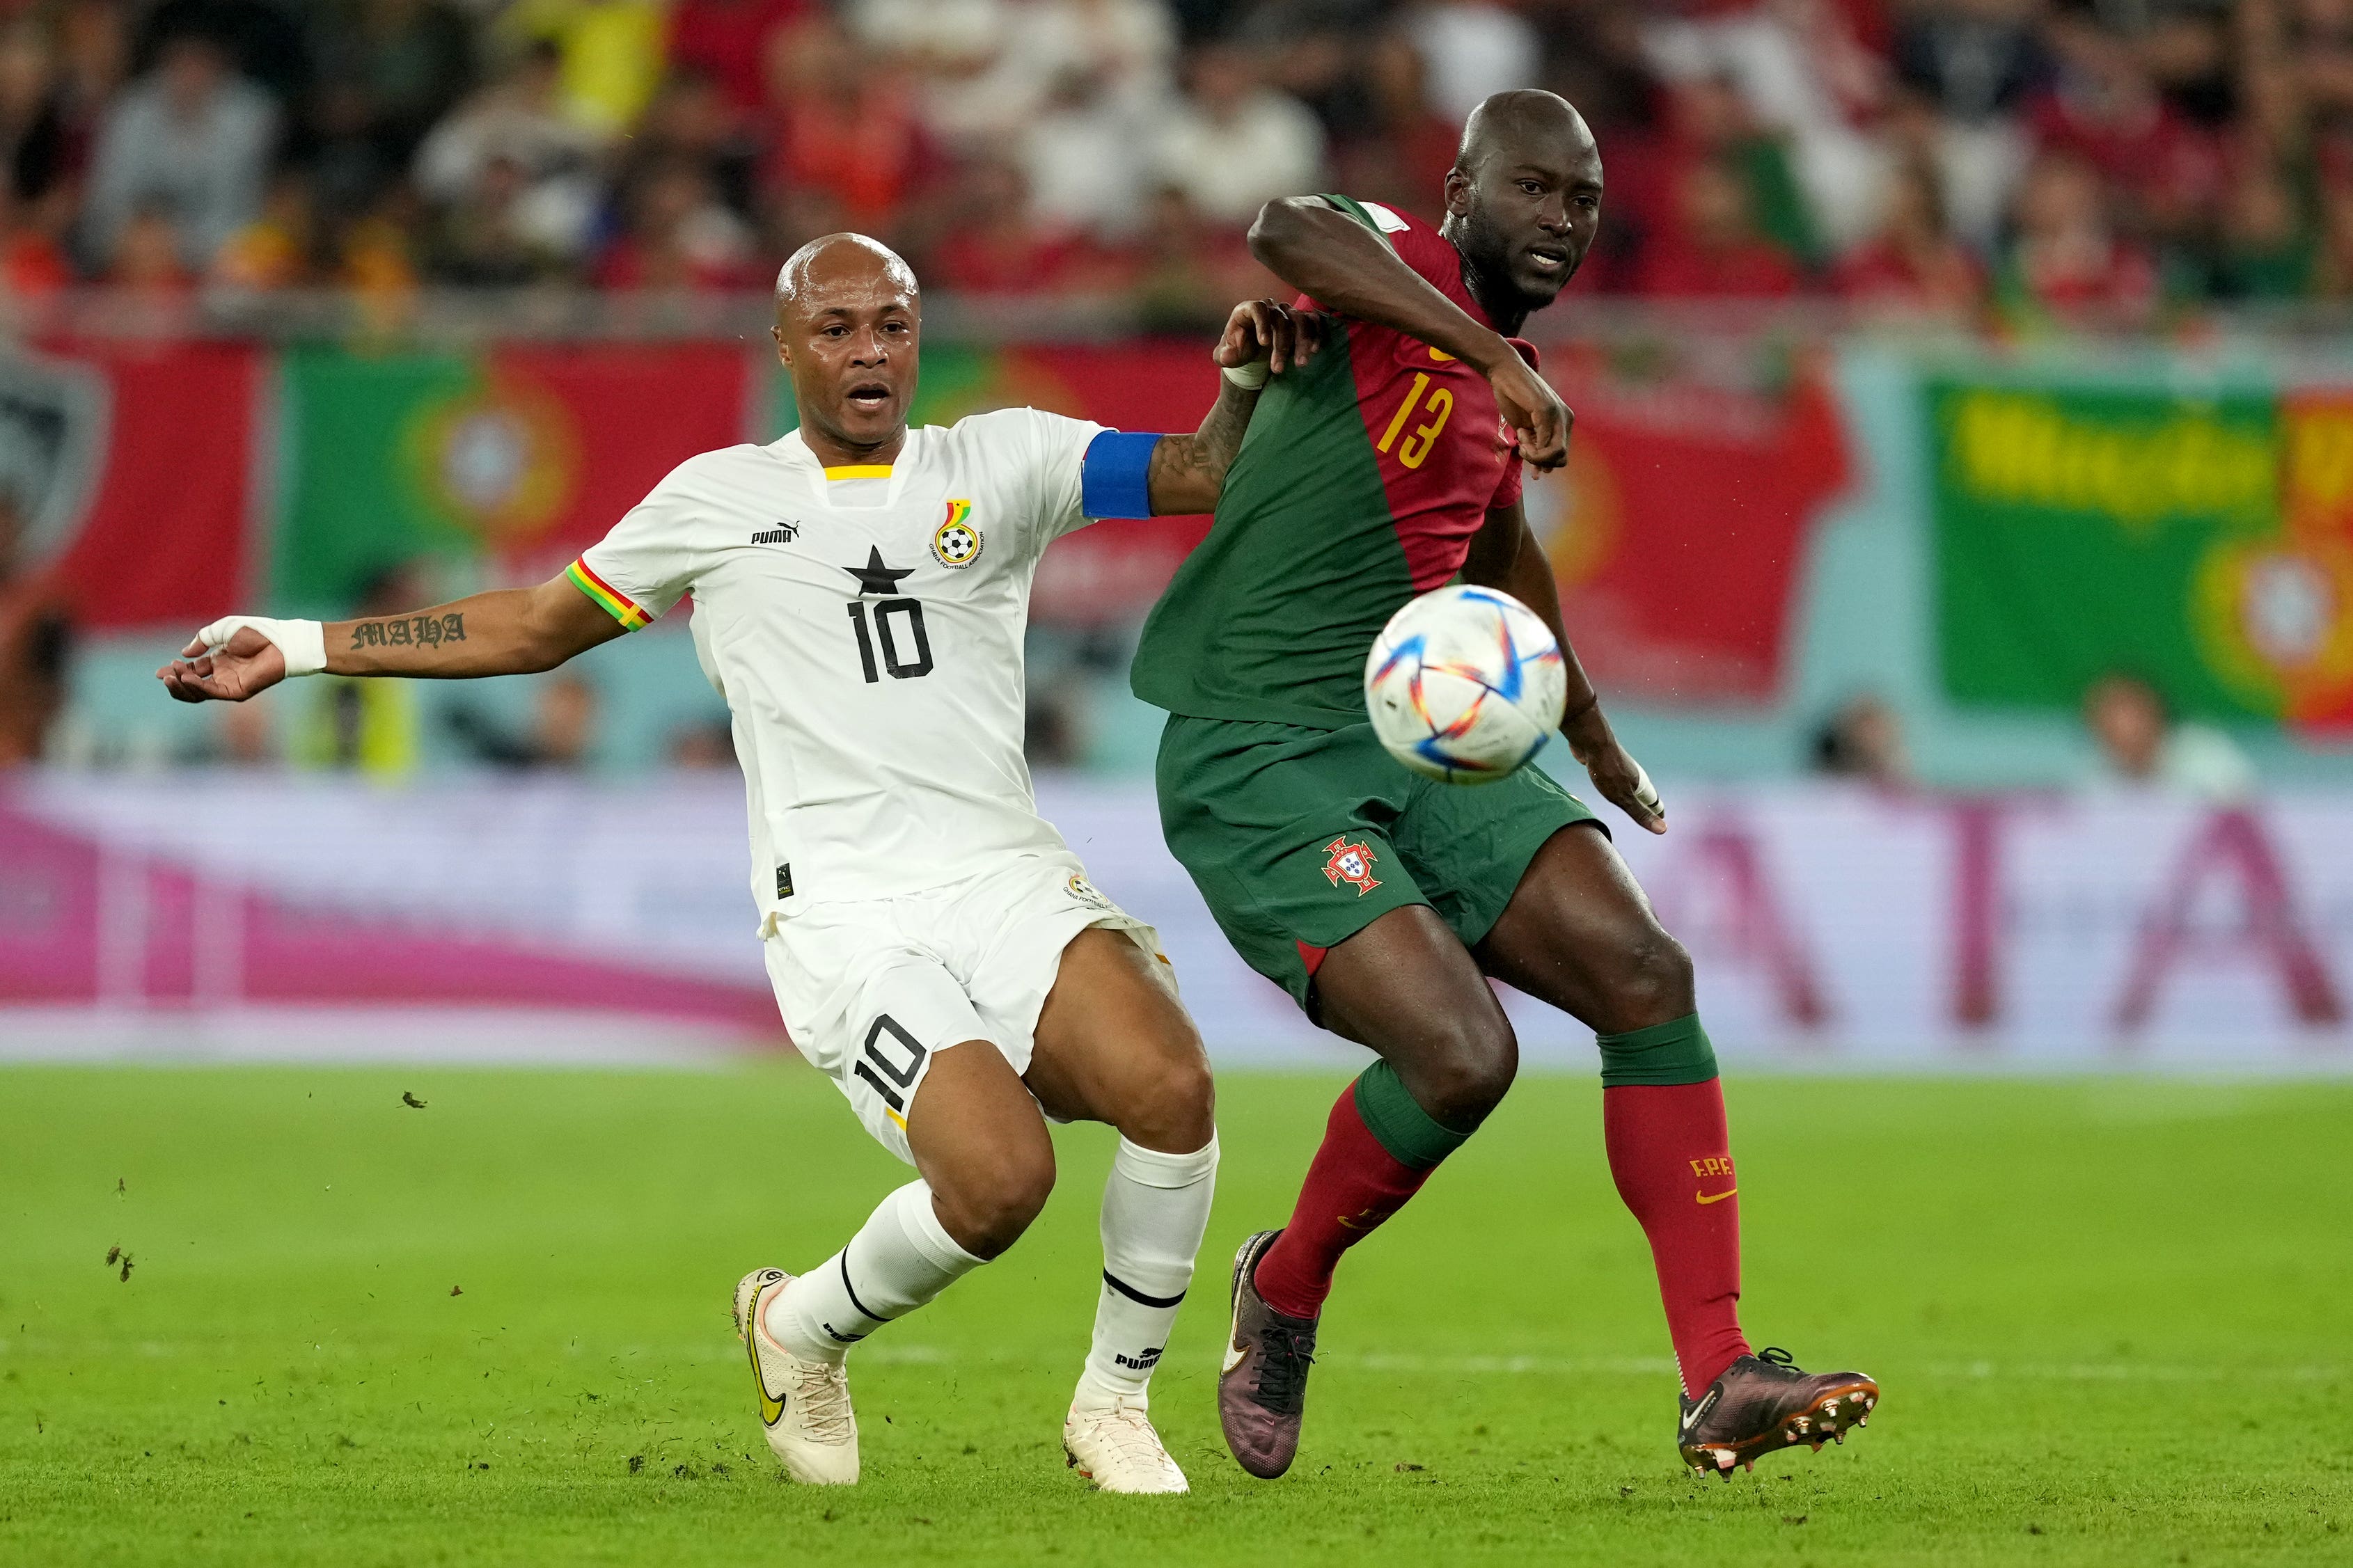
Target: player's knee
[1650, 980]
[986, 1205]
[1175, 1107]
[1468, 1074]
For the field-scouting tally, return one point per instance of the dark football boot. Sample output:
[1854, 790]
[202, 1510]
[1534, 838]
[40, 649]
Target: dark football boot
[1766, 1402]
[1262, 1389]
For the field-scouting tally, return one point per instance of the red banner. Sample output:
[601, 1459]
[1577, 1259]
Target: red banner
[1679, 525]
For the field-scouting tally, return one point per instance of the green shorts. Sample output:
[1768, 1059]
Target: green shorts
[1299, 838]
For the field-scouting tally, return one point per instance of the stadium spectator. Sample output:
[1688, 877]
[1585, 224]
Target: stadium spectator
[1083, 157]
[679, 235]
[1234, 142]
[243, 736]
[610, 55]
[1969, 65]
[1709, 122]
[1184, 271]
[2102, 109]
[93, 58]
[844, 148]
[693, 120]
[147, 256]
[725, 41]
[512, 180]
[2067, 263]
[191, 139]
[261, 39]
[2141, 746]
[275, 250]
[388, 72]
[1804, 75]
[1473, 49]
[368, 726]
[1863, 741]
[994, 244]
[1914, 264]
[710, 743]
[1715, 250]
[2267, 248]
[1127, 45]
[562, 728]
[32, 118]
[1400, 149]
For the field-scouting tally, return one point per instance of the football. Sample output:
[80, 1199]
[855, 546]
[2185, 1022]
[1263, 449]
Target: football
[1464, 684]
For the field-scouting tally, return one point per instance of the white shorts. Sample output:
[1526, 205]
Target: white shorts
[870, 988]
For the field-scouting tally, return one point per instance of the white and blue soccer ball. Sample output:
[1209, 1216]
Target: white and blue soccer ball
[1464, 684]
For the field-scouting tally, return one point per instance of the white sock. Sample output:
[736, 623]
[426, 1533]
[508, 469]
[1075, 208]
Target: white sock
[900, 1259]
[1156, 1208]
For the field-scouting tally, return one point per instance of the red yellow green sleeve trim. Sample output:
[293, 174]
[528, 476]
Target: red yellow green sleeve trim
[611, 600]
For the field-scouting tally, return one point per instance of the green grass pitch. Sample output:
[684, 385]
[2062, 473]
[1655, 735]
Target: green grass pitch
[2110, 1317]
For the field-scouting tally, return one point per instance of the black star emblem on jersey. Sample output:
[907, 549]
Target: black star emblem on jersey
[876, 578]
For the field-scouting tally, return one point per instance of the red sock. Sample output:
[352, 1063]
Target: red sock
[1353, 1184]
[1671, 1157]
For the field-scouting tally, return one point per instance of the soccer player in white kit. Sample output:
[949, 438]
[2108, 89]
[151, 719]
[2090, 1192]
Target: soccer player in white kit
[861, 590]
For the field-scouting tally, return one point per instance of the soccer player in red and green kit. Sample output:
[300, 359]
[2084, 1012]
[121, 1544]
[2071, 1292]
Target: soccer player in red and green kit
[1387, 464]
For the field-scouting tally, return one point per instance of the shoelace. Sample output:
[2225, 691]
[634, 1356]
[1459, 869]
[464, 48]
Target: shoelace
[1774, 1355]
[1127, 1432]
[1284, 1356]
[824, 1394]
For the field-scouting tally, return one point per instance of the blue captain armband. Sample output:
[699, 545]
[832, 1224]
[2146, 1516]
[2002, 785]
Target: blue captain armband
[1114, 476]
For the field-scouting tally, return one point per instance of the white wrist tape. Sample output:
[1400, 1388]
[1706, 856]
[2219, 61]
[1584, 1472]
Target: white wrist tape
[1646, 794]
[305, 643]
[1249, 377]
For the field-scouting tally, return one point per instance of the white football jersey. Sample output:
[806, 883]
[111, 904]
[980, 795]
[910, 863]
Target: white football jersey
[865, 626]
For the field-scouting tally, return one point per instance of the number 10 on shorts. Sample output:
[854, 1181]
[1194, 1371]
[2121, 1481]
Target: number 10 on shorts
[876, 1066]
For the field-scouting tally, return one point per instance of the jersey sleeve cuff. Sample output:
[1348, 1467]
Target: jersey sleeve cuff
[1115, 476]
[611, 600]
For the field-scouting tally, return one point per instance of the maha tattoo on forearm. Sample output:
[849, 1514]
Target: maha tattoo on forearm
[409, 631]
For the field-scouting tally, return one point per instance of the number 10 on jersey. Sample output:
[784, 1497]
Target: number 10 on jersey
[909, 627]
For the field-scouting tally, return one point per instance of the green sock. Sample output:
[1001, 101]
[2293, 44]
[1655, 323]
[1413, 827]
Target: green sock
[1673, 1052]
[1399, 1122]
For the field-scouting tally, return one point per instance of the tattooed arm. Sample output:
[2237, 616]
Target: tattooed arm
[1189, 471]
[512, 631]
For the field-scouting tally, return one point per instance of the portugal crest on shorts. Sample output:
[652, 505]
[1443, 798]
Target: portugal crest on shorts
[1350, 863]
[956, 542]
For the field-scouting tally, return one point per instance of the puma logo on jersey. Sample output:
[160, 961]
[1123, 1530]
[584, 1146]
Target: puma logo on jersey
[784, 532]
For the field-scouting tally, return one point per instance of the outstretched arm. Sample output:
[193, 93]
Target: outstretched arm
[512, 631]
[1346, 268]
[1262, 338]
[1505, 555]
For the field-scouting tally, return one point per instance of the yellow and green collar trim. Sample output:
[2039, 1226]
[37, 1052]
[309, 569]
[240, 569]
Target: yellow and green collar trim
[611, 600]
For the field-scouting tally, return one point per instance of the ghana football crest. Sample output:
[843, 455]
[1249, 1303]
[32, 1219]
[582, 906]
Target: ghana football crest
[1350, 863]
[956, 542]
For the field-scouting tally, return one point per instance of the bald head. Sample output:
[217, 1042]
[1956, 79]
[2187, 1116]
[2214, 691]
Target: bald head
[848, 321]
[1525, 119]
[836, 263]
[1523, 201]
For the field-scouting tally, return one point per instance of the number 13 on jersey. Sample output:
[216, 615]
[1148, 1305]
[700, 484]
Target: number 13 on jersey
[1416, 449]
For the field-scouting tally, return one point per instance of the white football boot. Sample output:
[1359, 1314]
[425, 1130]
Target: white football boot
[1114, 1446]
[804, 1405]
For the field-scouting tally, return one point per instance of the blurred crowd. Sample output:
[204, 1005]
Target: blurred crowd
[2046, 159]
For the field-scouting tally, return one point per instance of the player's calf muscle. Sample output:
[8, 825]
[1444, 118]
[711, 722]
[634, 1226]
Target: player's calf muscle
[1113, 1047]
